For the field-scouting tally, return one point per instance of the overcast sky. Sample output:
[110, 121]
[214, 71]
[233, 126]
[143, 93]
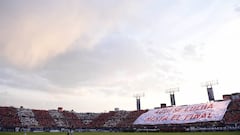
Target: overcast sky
[94, 55]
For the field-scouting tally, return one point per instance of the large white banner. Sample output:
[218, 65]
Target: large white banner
[212, 111]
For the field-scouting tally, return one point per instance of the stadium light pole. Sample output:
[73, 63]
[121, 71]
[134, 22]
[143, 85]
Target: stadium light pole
[208, 85]
[171, 91]
[138, 97]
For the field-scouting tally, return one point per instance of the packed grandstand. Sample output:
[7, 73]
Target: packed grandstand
[19, 119]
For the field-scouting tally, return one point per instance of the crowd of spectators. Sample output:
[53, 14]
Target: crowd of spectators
[11, 117]
[44, 119]
[99, 121]
[232, 115]
[127, 122]
[116, 119]
[72, 120]
[27, 117]
[58, 118]
[87, 118]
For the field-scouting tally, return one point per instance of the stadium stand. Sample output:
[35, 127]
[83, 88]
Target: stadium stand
[116, 119]
[130, 118]
[232, 116]
[14, 118]
[58, 118]
[44, 119]
[27, 117]
[99, 121]
[87, 118]
[72, 120]
[9, 118]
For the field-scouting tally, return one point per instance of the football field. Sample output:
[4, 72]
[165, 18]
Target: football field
[124, 133]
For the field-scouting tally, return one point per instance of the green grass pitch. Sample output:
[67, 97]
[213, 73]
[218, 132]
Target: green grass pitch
[121, 133]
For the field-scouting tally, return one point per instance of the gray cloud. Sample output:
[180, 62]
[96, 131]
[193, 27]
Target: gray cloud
[38, 31]
[45, 42]
[22, 80]
[115, 57]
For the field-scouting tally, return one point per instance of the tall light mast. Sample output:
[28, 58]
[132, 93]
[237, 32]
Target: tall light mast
[171, 91]
[138, 97]
[208, 85]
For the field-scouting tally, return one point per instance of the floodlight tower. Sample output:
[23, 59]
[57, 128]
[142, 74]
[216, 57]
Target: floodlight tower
[138, 97]
[209, 85]
[171, 91]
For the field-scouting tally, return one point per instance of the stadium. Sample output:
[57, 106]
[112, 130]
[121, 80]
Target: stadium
[82, 67]
[216, 115]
